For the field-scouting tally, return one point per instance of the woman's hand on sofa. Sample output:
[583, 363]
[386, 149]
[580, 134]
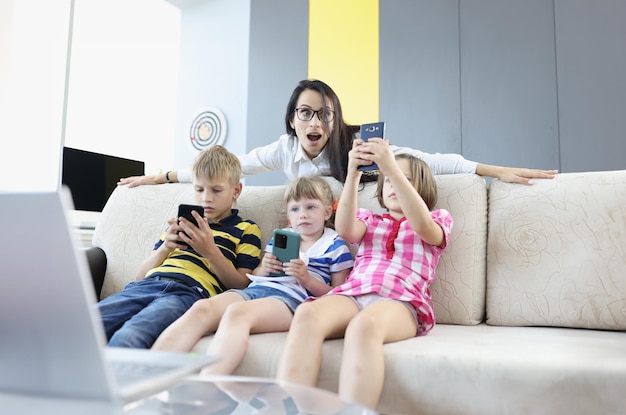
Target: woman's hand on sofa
[519, 175]
[134, 181]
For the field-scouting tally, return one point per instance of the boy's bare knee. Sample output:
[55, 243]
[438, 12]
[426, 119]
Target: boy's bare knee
[200, 308]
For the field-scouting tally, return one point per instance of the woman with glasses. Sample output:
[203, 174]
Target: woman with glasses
[318, 140]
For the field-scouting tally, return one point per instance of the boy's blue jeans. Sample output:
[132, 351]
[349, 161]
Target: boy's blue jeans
[136, 316]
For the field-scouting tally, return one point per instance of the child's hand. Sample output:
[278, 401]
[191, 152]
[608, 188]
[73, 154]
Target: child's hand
[200, 237]
[297, 268]
[354, 156]
[378, 151]
[269, 265]
[172, 240]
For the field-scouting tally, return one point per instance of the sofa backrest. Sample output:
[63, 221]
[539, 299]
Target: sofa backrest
[459, 289]
[557, 252]
[133, 219]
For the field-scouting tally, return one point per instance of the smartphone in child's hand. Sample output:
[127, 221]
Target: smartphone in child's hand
[185, 212]
[370, 130]
[286, 246]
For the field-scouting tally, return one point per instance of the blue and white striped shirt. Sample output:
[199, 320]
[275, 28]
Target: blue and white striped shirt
[329, 254]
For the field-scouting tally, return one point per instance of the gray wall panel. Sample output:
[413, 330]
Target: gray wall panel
[278, 61]
[419, 74]
[591, 52]
[534, 83]
[508, 83]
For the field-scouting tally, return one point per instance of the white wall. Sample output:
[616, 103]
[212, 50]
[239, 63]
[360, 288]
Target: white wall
[123, 80]
[142, 70]
[121, 93]
[214, 58]
[33, 54]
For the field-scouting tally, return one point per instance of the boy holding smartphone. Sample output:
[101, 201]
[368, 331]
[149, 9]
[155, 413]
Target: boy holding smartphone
[321, 261]
[188, 262]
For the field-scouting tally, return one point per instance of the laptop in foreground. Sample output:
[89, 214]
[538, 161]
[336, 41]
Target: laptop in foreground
[52, 343]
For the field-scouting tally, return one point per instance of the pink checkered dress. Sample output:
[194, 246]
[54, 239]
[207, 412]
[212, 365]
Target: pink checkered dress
[395, 263]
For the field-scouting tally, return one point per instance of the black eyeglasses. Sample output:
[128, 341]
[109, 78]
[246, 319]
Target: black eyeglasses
[307, 114]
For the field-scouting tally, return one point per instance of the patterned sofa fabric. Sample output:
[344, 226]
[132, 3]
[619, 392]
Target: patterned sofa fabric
[554, 256]
[133, 219]
[557, 252]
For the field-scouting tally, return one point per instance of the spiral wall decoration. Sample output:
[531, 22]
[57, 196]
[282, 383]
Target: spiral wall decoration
[208, 128]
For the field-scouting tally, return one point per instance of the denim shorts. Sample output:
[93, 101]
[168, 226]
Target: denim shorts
[260, 291]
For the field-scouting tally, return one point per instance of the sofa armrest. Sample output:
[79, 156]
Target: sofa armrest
[97, 260]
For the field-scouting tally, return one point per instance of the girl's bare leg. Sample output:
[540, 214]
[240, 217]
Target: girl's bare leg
[202, 318]
[325, 318]
[362, 372]
[263, 315]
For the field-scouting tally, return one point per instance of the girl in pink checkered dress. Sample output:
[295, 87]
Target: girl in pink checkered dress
[387, 297]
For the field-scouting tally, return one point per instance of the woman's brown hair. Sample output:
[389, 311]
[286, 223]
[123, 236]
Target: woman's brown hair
[340, 134]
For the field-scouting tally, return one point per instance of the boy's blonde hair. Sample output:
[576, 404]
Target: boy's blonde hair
[422, 179]
[311, 187]
[217, 162]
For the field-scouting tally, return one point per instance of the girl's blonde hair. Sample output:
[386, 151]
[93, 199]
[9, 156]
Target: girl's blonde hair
[311, 187]
[422, 179]
[217, 162]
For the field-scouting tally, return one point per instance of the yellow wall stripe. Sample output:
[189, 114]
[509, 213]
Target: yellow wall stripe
[343, 52]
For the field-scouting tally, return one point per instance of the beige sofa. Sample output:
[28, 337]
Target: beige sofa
[530, 296]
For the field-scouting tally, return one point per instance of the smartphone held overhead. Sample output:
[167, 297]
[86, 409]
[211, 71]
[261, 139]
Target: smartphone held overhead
[371, 130]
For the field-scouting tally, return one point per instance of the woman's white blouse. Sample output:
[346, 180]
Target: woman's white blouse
[287, 155]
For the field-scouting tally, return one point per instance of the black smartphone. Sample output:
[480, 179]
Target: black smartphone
[286, 246]
[185, 212]
[370, 130]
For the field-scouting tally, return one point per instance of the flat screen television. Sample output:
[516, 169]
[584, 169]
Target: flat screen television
[92, 177]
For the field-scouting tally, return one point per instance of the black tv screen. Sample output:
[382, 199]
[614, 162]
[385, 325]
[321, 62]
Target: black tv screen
[92, 177]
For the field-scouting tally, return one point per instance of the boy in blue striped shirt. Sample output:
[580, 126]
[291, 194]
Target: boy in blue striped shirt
[189, 262]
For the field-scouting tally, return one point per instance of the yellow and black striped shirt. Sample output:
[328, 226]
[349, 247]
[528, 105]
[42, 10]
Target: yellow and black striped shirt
[238, 239]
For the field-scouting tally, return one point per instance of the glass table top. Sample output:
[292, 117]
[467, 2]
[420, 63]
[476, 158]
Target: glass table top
[233, 395]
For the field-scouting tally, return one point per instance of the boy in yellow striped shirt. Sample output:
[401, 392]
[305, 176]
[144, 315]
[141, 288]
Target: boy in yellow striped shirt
[188, 262]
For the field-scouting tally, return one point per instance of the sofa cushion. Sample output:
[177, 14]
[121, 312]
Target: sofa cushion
[557, 252]
[460, 286]
[133, 219]
[130, 224]
[478, 370]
